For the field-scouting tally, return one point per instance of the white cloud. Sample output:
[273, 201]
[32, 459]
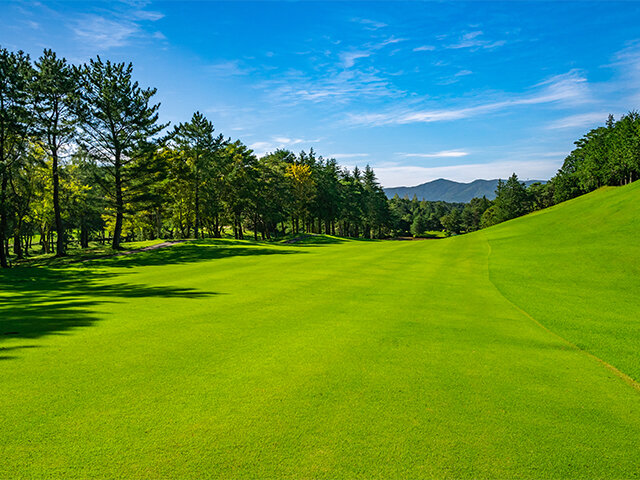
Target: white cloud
[260, 145]
[277, 142]
[472, 40]
[592, 119]
[389, 41]
[100, 32]
[337, 86]
[117, 29]
[291, 141]
[227, 69]
[424, 48]
[349, 58]
[568, 89]
[148, 15]
[369, 24]
[462, 73]
[414, 175]
[626, 86]
[339, 156]
[441, 154]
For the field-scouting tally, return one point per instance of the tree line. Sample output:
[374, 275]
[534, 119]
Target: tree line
[83, 156]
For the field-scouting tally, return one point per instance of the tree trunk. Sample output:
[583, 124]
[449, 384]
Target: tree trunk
[197, 227]
[216, 226]
[17, 245]
[255, 228]
[4, 263]
[84, 236]
[119, 205]
[60, 247]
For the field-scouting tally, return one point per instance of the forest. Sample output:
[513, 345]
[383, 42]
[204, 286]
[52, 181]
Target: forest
[84, 158]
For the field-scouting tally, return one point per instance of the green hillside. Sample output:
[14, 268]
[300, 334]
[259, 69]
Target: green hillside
[576, 269]
[336, 359]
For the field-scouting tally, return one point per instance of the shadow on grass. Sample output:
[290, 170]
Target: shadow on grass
[194, 251]
[35, 302]
[40, 301]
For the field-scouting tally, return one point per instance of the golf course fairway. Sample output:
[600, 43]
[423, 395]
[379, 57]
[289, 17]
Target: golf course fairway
[512, 352]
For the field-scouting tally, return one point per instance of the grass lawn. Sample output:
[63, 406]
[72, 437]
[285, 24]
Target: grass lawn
[76, 254]
[336, 359]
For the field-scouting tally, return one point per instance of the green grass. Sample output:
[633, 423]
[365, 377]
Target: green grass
[334, 358]
[75, 254]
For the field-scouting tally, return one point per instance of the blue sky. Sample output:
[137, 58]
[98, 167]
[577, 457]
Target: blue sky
[418, 90]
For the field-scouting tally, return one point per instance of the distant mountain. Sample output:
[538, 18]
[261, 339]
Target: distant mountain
[450, 191]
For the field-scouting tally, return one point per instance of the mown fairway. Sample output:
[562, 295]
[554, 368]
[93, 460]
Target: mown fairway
[336, 360]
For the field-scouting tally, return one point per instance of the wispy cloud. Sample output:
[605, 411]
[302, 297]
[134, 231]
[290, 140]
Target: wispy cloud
[627, 84]
[441, 154]
[101, 32]
[342, 156]
[349, 58]
[472, 40]
[389, 41]
[147, 15]
[369, 24]
[115, 29]
[263, 147]
[415, 175]
[336, 86]
[227, 69]
[291, 141]
[424, 48]
[569, 89]
[592, 119]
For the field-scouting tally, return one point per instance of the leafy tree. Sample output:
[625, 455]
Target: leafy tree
[512, 199]
[239, 166]
[117, 126]
[419, 225]
[16, 76]
[199, 149]
[490, 217]
[303, 188]
[375, 207]
[452, 221]
[55, 89]
[472, 213]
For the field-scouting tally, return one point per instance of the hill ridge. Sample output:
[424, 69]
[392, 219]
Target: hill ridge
[445, 190]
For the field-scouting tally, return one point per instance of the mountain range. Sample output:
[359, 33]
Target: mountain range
[450, 191]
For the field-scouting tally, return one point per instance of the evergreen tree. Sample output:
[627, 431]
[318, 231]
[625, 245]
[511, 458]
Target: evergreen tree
[55, 89]
[419, 225]
[512, 199]
[16, 76]
[118, 125]
[199, 149]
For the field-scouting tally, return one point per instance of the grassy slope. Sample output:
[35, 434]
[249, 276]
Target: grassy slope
[357, 359]
[576, 269]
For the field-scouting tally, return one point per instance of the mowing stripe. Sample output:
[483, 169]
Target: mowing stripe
[626, 378]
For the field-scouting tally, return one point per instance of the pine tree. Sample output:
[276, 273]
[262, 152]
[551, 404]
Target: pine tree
[15, 127]
[55, 89]
[118, 125]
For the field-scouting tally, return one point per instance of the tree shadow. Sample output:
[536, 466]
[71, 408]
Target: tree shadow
[40, 301]
[195, 251]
